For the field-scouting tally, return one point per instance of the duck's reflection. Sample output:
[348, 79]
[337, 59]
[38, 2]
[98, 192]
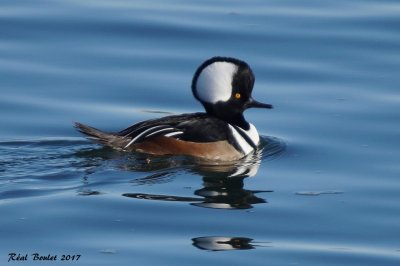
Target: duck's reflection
[223, 243]
[223, 185]
[227, 193]
[222, 188]
[221, 193]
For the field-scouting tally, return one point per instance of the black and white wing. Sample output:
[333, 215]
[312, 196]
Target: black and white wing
[197, 127]
[142, 133]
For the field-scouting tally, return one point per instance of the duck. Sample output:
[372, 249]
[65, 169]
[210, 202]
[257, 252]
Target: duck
[223, 85]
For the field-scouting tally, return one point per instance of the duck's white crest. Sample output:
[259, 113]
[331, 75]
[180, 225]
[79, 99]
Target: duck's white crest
[215, 82]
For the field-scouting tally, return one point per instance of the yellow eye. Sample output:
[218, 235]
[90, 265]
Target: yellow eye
[237, 95]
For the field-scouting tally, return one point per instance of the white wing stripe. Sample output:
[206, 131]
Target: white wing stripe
[173, 133]
[141, 134]
[158, 131]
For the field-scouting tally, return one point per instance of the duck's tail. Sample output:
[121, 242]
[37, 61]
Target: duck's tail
[108, 139]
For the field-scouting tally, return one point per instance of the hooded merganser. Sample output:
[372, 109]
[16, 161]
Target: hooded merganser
[223, 85]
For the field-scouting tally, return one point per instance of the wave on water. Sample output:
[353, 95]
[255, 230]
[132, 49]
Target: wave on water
[41, 166]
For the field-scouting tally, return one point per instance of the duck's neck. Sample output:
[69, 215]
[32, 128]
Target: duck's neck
[226, 114]
[238, 120]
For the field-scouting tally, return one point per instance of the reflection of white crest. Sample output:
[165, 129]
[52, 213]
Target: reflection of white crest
[214, 205]
[214, 243]
[215, 82]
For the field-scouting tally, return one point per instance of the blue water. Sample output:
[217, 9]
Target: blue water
[323, 190]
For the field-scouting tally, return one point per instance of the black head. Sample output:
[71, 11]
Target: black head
[224, 86]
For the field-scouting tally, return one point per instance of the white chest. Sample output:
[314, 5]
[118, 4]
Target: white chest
[244, 142]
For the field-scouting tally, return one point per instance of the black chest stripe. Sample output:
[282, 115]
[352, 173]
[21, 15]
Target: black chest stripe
[246, 137]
